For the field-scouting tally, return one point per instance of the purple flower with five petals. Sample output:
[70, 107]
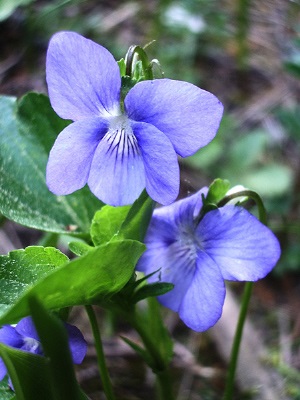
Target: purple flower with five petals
[119, 153]
[228, 243]
[24, 337]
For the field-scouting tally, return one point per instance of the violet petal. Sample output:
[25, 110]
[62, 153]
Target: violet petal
[83, 77]
[202, 305]
[160, 161]
[10, 337]
[181, 213]
[77, 343]
[117, 175]
[72, 154]
[189, 116]
[174, 267]
[3, 369]
[26, 328]
[243, 248]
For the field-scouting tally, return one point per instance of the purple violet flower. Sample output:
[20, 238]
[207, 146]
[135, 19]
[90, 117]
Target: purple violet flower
[228, 243]
[119, 153]
[24, 337]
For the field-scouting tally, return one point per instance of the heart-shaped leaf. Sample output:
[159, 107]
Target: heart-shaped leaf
[93, 277]
[21, 269]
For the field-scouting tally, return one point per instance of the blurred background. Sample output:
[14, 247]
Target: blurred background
[246, 52]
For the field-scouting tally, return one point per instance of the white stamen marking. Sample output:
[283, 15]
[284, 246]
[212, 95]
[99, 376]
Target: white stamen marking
[189, 245]
[120, 139]
[31, 343]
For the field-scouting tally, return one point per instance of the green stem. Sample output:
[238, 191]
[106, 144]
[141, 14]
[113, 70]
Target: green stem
[164, 381]
[107, 387]
[229, 387]
[159, 366]
[252, 195]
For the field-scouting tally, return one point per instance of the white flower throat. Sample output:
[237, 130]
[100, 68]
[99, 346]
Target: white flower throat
[189, 244]
[120, 138]
[31, 344]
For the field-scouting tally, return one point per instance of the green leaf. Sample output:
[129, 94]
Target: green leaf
[7, 7]
[79, 248]
[28, 129]
[151, 290]
[21, 269]
[135, 283]
[107, 223]
[91, 278]
[54, 339]
[122, 66]
[139, 350]
[138, 218]
[28, 372]
[152, 320]
[5, 392]
[128, 222]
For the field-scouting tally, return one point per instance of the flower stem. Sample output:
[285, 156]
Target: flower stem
[107, 387]
[251, 194]
[229, 386]
[159, 366]
[237, 341]
[165, 385]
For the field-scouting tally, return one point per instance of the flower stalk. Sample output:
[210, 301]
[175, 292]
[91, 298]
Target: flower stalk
[107, 386]
[252, 195]
[229, 387]
[159, 366]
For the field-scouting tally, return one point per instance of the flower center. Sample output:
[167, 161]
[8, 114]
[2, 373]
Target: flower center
[119, 122]
[189, 244]
[32, 345]
[120, 138]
